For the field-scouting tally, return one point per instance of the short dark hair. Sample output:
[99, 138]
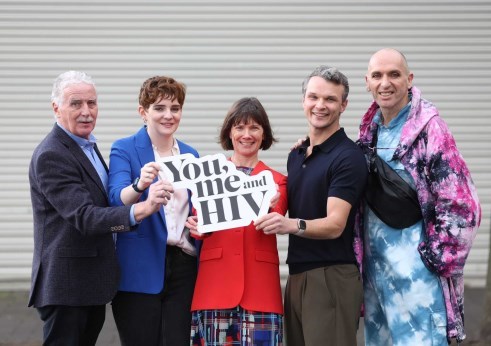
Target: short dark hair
[243, 111]
[160, 87]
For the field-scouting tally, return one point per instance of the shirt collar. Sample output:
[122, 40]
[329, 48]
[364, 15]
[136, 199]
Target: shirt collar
[79, 140]
[175, 148]
[325, 146]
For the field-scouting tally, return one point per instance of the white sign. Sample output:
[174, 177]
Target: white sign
[223, 196]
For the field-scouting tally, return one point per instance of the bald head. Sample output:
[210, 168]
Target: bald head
[389, 79]
[389, 54]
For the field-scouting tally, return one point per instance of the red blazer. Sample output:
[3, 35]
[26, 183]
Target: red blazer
[240, 266]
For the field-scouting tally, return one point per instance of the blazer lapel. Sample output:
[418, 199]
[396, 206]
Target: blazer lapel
[80, 157]
[144, 150]
[143, 147]
[101, 158]
[260, 166]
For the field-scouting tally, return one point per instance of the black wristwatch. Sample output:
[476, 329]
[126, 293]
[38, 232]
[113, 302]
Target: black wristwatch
[135, 185]
[302, 226]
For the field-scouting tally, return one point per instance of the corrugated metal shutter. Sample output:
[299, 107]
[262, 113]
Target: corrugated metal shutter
[223, 51]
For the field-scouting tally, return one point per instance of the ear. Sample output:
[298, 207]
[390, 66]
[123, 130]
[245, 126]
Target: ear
[143, 113]
[410, 79]
[56, 109]
[366, 83]
[344, 104]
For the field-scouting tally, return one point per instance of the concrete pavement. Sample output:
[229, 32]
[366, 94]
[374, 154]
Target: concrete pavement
[21, 326]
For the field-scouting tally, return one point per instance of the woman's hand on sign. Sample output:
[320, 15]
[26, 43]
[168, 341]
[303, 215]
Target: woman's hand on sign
[148, 173]
[192, 225]
[274, 201]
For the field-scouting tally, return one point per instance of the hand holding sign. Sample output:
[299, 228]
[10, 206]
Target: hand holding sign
[223, 196]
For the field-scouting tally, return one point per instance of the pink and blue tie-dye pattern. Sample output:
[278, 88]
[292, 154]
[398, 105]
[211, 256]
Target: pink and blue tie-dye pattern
[448, 199]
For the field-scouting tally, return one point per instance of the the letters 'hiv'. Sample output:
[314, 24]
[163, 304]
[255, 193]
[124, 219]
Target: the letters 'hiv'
[223, 196]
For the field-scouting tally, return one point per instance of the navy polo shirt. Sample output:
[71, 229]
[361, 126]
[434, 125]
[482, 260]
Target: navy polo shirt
[335, 168]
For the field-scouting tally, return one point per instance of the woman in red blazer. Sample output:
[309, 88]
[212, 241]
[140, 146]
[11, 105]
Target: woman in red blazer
[237, 294]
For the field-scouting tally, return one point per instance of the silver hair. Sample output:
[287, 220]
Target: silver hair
[65, 79]
[329, 74]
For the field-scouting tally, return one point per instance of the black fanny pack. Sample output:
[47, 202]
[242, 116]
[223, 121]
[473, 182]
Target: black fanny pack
[389, 196]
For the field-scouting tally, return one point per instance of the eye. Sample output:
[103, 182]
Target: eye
[76, 104]
[175, 109]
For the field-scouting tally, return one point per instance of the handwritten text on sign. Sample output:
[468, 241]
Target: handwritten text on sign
[223, 196]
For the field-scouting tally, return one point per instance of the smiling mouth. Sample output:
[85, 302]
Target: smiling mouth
[385, 93]
[247, 143]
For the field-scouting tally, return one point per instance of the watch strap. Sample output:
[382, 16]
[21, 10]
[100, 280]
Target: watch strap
[135, 185]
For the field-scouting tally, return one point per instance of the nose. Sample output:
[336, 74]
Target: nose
[85, 108]
[384, 82]
[319, 103]
[167, 114]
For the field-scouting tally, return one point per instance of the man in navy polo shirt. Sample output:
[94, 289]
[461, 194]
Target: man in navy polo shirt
[326, 178]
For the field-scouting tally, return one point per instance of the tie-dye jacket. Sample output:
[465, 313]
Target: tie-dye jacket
[447, 196]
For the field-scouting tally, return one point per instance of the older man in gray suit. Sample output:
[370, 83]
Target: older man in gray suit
[75, 270]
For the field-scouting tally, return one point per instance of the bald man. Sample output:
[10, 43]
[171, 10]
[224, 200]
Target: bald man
[413, 277]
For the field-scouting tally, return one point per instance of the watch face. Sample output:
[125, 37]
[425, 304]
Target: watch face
[302, 224]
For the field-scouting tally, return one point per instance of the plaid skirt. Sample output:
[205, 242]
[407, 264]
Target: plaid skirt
[236, 326]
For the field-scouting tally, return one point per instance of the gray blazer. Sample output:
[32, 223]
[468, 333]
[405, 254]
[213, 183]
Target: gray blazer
[74, 261]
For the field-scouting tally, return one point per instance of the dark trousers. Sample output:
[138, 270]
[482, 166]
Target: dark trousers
[71, 325]
[162, 319]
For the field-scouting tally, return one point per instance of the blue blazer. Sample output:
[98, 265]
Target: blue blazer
[141, 253]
